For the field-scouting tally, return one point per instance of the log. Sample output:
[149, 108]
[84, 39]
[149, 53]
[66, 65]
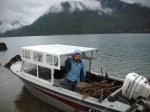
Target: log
[99, 89]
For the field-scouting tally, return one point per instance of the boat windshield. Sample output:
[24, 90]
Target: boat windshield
[37, 71]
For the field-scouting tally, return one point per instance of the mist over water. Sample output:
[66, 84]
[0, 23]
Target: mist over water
[119, 54]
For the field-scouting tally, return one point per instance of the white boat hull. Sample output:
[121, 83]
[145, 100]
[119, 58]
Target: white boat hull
[47, 97]
[66, 102]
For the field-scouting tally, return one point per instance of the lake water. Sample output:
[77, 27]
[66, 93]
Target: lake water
[119, 54]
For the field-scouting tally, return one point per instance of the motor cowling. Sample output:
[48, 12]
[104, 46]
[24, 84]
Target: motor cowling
[135, 86]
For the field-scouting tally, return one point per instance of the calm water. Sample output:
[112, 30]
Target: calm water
[119, 54]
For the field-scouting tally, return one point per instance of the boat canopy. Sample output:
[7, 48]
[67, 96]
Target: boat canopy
[49, 55]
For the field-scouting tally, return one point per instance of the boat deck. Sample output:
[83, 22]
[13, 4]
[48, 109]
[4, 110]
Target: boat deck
[60, 80]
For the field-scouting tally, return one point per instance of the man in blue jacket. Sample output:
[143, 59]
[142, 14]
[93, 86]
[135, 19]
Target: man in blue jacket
[76, 69]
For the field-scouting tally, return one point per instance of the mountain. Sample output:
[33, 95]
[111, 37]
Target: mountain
[114, 17]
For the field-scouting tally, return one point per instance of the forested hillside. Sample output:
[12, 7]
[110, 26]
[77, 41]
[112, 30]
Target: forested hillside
[124, 18]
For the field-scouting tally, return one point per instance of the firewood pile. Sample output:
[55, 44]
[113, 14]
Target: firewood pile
[99, 90]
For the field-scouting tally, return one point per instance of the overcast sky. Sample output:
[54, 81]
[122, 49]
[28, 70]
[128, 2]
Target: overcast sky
[17, 13]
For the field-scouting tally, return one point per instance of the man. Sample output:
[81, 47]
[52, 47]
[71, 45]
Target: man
[76, 69]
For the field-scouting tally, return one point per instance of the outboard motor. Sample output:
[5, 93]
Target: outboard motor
[137, 87]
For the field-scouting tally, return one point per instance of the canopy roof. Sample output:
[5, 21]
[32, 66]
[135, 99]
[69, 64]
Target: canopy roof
[58, 49]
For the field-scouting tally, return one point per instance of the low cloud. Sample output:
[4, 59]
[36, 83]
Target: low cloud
[81, 5]
[142, 2]
[18, 13]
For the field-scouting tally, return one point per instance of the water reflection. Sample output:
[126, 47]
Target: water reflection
[26, 102]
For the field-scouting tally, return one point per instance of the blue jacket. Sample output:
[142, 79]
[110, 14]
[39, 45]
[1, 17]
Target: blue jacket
[75, 70]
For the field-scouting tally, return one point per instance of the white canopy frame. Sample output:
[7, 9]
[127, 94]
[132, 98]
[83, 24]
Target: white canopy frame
[53, 52]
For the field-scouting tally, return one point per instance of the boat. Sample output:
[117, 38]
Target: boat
[42, 72]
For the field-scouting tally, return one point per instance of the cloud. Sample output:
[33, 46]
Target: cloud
[88, 4]
[17, 13]
[142, 2]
